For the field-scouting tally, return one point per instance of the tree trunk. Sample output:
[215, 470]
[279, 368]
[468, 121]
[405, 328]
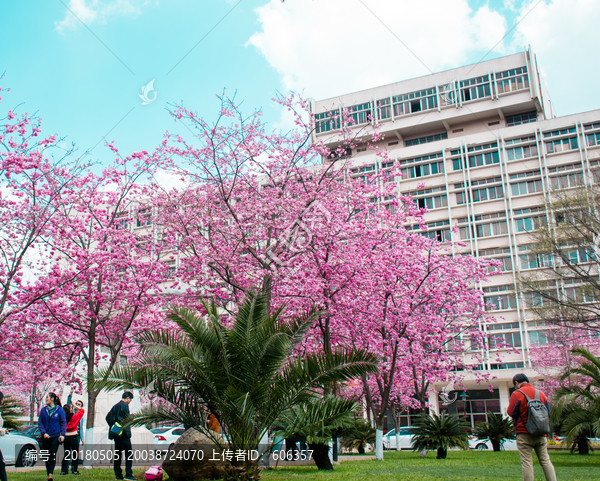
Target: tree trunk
[91, 406]
[396, 417]
[495, 445]
[441, 453]
[32, 405]
[379, 439]
[582, 445]
[361, 448]
[321, 456]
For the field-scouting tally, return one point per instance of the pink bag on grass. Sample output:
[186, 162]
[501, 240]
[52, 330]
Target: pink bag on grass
[154, 473]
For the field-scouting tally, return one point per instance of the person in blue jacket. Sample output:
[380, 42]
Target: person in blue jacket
[53, 427]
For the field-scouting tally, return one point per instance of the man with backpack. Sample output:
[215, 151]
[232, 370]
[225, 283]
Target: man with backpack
[530, 412]
[121, 437]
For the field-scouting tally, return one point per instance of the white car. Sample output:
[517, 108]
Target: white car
[19, 450]
[165, 437]
[405, 435]
[483, 444]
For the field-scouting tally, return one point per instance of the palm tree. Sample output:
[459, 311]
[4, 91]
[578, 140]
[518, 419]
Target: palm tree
[10, 409]
[315, 422]
[244, 372]
[440, 432]
[497, 429]
[359, 435]
[578, 405]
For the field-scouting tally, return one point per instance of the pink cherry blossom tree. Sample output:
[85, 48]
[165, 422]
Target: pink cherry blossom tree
[108, 270]
[35, 172]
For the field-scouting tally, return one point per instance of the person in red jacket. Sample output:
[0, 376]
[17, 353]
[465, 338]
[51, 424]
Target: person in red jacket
[71, 454]
[526, 443]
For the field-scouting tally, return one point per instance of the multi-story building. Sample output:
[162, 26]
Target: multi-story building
[486, 143]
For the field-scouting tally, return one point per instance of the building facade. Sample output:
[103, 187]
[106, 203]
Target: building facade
[485, 141]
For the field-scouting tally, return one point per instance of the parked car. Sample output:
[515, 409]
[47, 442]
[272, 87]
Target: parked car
[483, 444]
[31, 430]
[165, 437]
[19, 450]
[405, 435]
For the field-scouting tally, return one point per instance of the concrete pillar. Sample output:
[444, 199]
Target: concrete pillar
[504, 396]
[434, 400]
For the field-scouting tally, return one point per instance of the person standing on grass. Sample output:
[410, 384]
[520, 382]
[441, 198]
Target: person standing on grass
[2, 433]
[53, 427]
[71, 441]
[518, 409]
[77, 406]
[122, 437]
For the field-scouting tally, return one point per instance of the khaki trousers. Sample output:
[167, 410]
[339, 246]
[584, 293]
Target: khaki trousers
[526, 443]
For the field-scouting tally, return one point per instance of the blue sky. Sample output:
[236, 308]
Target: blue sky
[83, 75]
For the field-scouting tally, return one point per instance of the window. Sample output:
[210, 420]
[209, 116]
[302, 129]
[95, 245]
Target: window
[489, 193]
[533, 261]
[475, 88]
[422, 170]
[567, 180]
[593, 139]
[427, 139]
[415, 102]
[327, 121]
[539, 338]
[383, 109]
[507, 339]
[172, 268]
[143, 218]
[556, 133]
[491, 229]
[506, 265]
[512, 80]
[520, 140]
[484, 159]
[528, 224]
[577, 256]
[528, 187]
[501, 302]
[519, 119]
[517, 153]
[561, 145]
[507, 365]
[499, 327]
[360, 114]
[432, 202]
[436, 230]
[121, 220]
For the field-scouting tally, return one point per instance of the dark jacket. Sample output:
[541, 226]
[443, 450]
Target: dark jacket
[55, 425]
[517, 407]
[120, 411]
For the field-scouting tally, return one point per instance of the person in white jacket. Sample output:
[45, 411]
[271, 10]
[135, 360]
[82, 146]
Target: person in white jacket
[2, 433]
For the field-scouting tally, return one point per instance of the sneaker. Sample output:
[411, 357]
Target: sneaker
[130, 478]
[63, 473]
[118, 478]
[75, 473]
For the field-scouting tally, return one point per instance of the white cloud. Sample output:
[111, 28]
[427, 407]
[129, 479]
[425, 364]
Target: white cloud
[91, 11]
[329, 47]
[563, 34]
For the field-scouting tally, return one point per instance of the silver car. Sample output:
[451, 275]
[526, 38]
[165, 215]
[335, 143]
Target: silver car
[405, 438]
[18, 450]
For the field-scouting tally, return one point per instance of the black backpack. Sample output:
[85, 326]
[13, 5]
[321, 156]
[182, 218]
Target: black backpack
[110, 420]
[538, 419]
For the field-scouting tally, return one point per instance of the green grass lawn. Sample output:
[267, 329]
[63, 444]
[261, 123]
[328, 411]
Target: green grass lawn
[460, 465]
